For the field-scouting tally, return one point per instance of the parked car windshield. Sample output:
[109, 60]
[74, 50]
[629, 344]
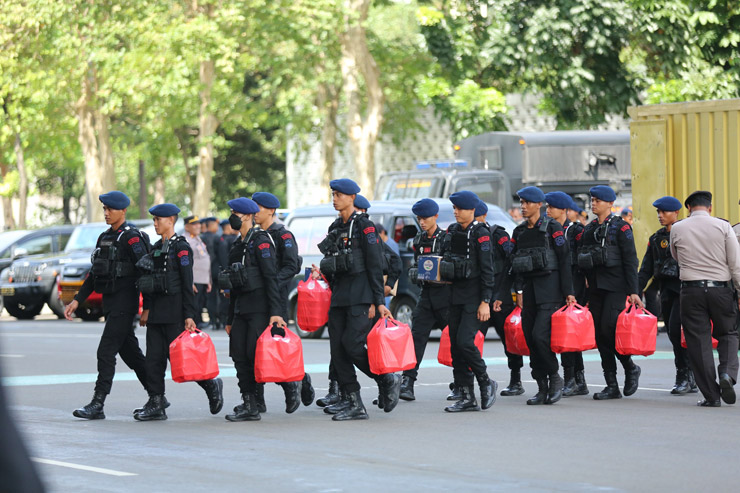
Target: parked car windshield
[84, 237]
[9, 237]
[309, 231]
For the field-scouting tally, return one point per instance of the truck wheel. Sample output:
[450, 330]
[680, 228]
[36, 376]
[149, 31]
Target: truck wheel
[302, 333]
[23, 312]
[55, 302]
[89, 314]
[402, 309]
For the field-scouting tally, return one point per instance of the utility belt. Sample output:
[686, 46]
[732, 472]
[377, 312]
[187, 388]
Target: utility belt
[240, 278]
[456, 268]
[346, 261]
[592, 256]
[538, 259]
[160, 282]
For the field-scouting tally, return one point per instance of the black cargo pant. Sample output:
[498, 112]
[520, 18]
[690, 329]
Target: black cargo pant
[212, 300]
[425, 319]
[348, 330]
[466, 358]
[700, 307]
[245, 330]
[515, 361]
[537, 329]
[200, 302]
[119, 339]
[605, 307]
[158, 340]
[670, 303]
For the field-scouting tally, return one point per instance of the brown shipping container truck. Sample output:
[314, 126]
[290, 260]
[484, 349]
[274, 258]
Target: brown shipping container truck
[681, 147]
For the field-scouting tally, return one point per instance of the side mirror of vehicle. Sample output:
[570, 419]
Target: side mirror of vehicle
[20, 252]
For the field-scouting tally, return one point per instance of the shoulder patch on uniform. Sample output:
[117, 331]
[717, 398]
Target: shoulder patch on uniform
[484, 238]
[368, 230]
[579, 236]
[625, 227]
[557, 234]
[184, 257]
[133, 240]
[262, 246]
[559, 240]
[286, 236]
[502, 240]
[182, 253]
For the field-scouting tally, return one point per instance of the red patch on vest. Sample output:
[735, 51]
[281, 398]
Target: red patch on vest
[133, 240]
[263, 246]
[182, 253]
[625, 227]
[578, 236]
[484, 238]
[286, 236]
[557, 233]
[502, 240]
[368, 230]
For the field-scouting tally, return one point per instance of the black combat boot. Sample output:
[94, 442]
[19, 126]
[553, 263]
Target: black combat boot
[215, 392]
[570, 386]
[554, 388]
[681, 386]
[331, 397]
[259, 396]
[456, 393]
[355, 410]
[693, 389]
[515, 385]
[292, 395]
[166, 405]
[247, 411]
[390, 388]
[631, 379]
[488, 389]
[407, 389]
[153, 410]
[611, 391]
[94, 410]
[379, 400]
[340, 405]
[581, 387]
[308, 394]
[541, 396]
[467, 401]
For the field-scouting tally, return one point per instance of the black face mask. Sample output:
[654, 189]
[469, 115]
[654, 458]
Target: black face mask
[235, 222]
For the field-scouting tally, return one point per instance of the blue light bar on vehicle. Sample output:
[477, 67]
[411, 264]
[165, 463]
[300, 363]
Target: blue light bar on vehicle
[443, 164]
[423, 165]
[460, 162]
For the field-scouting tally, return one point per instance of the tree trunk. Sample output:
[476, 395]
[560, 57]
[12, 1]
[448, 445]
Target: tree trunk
[88, 142]
[182, 144]
[159, 184]
[105, 150]
[22, 182]
[208, 124]
[7, 202]
[358, 61]
[142, 190]
[328, 101]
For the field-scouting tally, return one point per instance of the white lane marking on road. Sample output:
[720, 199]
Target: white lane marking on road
[12, 355]
[51, 335]
[70, 465]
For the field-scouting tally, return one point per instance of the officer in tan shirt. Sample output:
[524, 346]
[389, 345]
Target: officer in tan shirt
[708, 255]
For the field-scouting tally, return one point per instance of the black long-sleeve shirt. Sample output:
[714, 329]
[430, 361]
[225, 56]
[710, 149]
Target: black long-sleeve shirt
[174, 308]
[395, 265]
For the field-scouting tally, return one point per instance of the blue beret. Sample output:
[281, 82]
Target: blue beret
[465, 200]
[481, 208]
[164, 210]
[345, 186]
[425, 208]
[267, 200]
[603, 192]
[361, 202]
[531, 194]
[208, 219]
[559, 200]
[668, 203]
[115, 200]
[243, 205]
[223, 222]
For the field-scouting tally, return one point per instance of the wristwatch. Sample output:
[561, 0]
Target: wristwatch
[487, 301]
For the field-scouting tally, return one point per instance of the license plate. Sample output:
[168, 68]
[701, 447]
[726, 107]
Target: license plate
[7, 291]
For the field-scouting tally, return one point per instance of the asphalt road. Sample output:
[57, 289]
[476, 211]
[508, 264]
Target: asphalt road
[652, 441]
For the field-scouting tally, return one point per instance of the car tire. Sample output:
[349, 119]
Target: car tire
[89, 314]
[402, 308]
[23, 312]
[55, 302]
[302, 333]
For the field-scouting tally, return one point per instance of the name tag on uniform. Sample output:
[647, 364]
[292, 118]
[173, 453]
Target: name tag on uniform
[429, 269]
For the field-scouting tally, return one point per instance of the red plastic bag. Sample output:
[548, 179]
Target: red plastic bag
[715, 342]
[390, 347]
[572, 330]
[278, 358]
[514, 335]
[312, 309]
[193, 357]
[444, 355]
[637, 331]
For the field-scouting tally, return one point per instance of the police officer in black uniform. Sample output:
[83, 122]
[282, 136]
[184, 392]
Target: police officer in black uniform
[228, 236]
[558, 204]
[542, 259]
[467, 263]
[501, 250]
[432, 310]
[288, 265]
[209, 235]
[607, 254]
[353, 266]
[255, 305]
[659, 265]
[114, 274]
[169, 306]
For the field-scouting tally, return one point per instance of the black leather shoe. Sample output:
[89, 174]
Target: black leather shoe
[488, 389]
[456, 393]
[308, 394]
[631, 380]
[166, 405]
[331, 397]
[390, 390]
[554, 389]
[706, 403]
[407, 389]
[215, 395]
[681, 386]
[153, 410]
[94, 410]
[259, 398]
[726, 390]
[581, 386]
[466, 403]
[541, 396]
[355, 410]
[340, 405]
[611, 391]
[246, 411]
[292, 396]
